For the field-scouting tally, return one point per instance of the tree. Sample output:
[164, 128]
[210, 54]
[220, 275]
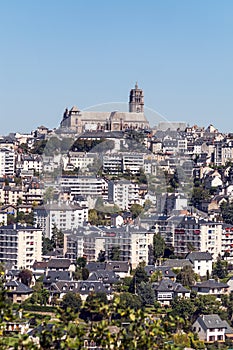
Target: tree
[71, 301]
[146, 293]
[220, 269]
[158, 246]
[85, 273]
[183, 308]
[47, 245]
[129, 300]
[101, 256]
[186, 276]
[26, 277]
[92, 216]
[81, 262]
[140, 275]
[227, 212]
[114, 254]
[92, 307]
[136, 210]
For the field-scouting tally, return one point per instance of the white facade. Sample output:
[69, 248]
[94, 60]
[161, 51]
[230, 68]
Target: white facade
[124, 193]
[140, 243]
[211, 238]
[7, 162]
[20, 245]
[84, 185]
[80, 160]
[63, 216]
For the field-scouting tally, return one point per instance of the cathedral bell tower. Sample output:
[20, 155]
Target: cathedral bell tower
[136, 100]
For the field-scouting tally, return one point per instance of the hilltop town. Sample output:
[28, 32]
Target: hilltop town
[109, 210]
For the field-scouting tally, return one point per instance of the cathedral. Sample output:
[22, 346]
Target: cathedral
[81, 121]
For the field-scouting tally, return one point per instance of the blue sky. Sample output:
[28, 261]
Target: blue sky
[56, 54]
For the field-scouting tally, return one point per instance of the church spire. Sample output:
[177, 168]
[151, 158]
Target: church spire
[136, 100]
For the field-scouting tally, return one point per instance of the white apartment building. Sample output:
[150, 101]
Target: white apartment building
[124, 193]
[10, 195]
[92, 186]
[191, 234]
[112, 164]
[63, 216]
[79, 160]
[20, 245]
[133, 162]
[211, 238]
[7, 162]
[27, 163]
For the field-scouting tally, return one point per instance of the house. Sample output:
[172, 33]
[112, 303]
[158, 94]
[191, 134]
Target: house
[109, 277]
[166, 290]
[121, 268]
[39, 268]
[211, 328]
[177, 263]
[84, 288]
[211, 287]
[17, 291]
[60, 264]
[163, 271]
[55, 276]
[201, 262]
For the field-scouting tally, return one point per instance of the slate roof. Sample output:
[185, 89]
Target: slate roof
[38, 265]
[211, 283]
[229, 329]
[19, 288]
[193, 256]
[166, 271]
[104, 276]
[167, 285]
[211, 322]
[117, 266]
[54, 276]
[95, 266]
[81, 287]
[59, 263]
[177, 263]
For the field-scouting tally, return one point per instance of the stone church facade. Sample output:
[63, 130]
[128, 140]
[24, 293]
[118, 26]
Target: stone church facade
[81, 121]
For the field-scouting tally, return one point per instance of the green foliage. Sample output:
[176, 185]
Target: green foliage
[92, 217]
[186, 276]
[85, 273]
[92, 307]
[158, 246]
[146, 293]
[81, 262]
[114, 254]
[220, 269]
[39, 147]
[227, 212]
[47, 245]
[136, 210]
[129, 300]
[71, 301]
[101, 256]
[139, 276]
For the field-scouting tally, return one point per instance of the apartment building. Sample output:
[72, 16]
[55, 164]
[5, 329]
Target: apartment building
[63, 216]
[7, 162]
[124, 193]
[20, 245]
[79, 160]
[92, 186]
